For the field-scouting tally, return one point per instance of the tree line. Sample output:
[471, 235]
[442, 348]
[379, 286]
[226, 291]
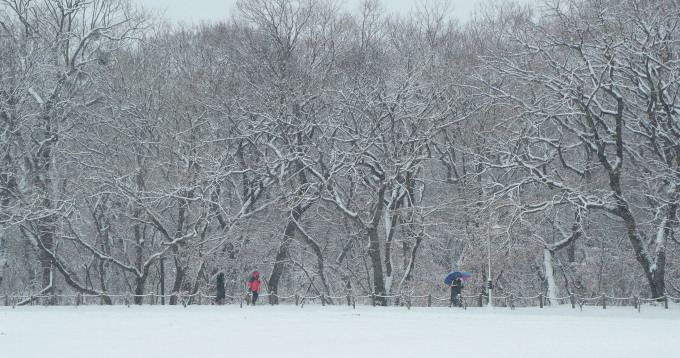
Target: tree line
[339, 150]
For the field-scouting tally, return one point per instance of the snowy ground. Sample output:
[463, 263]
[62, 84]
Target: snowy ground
[332, 331]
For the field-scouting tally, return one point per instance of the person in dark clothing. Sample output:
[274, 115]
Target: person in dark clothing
[456, 287]
[219, 300]
[254, 285]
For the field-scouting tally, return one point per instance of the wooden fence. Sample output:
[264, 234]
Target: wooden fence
[511, 301]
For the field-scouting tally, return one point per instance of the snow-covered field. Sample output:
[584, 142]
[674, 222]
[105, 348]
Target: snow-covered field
[337, 331]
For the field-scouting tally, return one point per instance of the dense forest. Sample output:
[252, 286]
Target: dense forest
[340, 150]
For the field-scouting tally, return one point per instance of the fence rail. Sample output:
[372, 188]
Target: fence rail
[352, 299]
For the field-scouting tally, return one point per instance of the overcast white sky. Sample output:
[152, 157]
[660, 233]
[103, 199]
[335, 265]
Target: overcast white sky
[196, 10]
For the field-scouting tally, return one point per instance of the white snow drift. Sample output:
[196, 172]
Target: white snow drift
[337, 331]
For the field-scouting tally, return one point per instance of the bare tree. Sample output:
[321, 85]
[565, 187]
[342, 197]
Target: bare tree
[595, 97]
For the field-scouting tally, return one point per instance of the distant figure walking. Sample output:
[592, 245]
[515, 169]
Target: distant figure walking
[456, 288]
[254, 285]
[219, 300]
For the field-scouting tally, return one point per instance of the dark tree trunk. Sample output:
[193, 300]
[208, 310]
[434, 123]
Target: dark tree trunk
[180, 266]
[282, 253]
[139, 240]
[654, 270]
[179, 276]
[46, 236]
[412, 260]
[319, 257]
[374, 247]
[139, 289]
[291, 227]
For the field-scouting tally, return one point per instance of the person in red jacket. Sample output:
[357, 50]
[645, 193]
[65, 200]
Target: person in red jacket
[254, 285]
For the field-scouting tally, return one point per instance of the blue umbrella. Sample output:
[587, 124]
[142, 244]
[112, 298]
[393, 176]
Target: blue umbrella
[449, 278]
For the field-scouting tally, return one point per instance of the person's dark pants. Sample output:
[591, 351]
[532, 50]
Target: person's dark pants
[220, 298]
[254, 297]
[455, 301]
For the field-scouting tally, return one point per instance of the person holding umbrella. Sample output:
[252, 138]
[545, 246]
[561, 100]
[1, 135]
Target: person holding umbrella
[456, 287]
[453, 280]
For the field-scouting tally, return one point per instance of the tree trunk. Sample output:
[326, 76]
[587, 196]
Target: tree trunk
[653, 271]
[279, 263]
[391, 217]
[179, 276]
[139, 289]
[376, 263]
[46, 237]
[319, 256]
[550, 277]
[282, 253]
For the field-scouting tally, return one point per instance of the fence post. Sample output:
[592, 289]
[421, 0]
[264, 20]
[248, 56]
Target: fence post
[348, 300]
[429, 300]
[604, 302]
[323, 299]
[479, 300]
[6, 299]
[199, 298]
[296, 299]
[31, 300]
[373, 298]
[665, 301]
[127, 300]
[635, 301]
[540, 300]
[512, 301]
[271, 298]
[152, 299]
[101, 299]
[573, 301]
[248, 299]
[77, 299]
[54, 296]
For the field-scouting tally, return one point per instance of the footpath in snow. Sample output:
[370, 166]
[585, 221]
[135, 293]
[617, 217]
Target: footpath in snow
[337, 331]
